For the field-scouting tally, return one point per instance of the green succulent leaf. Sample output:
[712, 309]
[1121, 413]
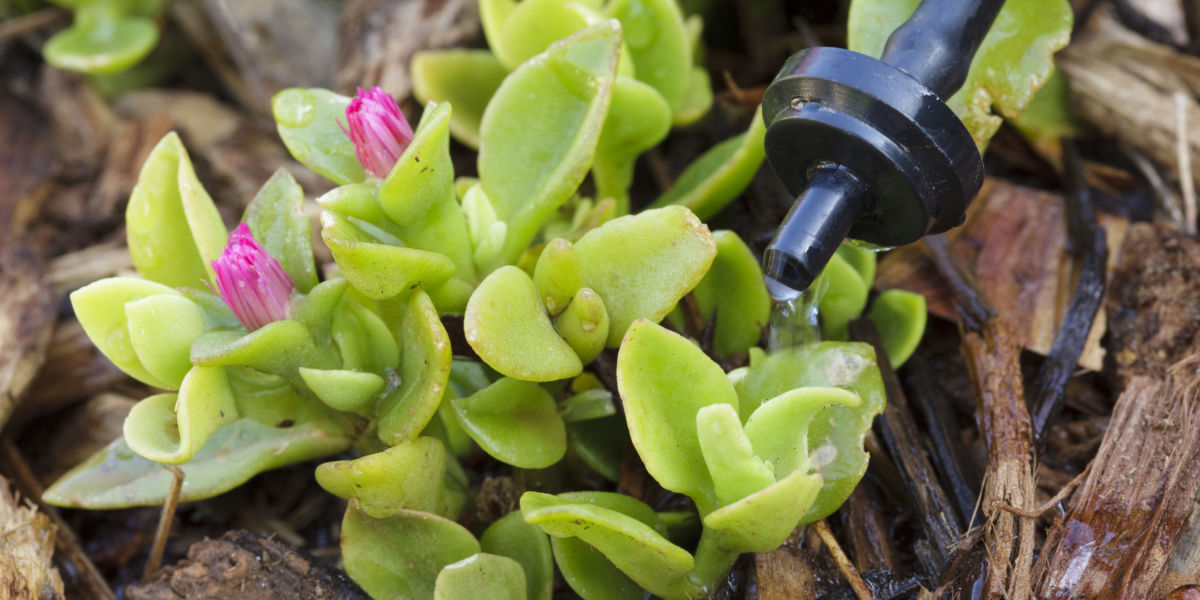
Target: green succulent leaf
[835, 436]
[900, 317]
[1013, 61]
[161, 331]
[733, 292]
[515, 421]
[778, 429]
[587, 571]
[664, 381]
[101, 41]
[410, 475]
[536, 24]
[509, 329]
[279, 348]
[720, 174]
[100, 308]
[697, 98]
[363, 339]
[600, 443]
[736, 472]
[594, 403]
[401, 556]
[558, 275]
[862, 259]
[117, 477]
[276, 218]
[762, 521]
[349, 391]
[501, 576]
[308, 123]
[659, 45]
[381, 270]
[841, 296]
[172, 226]
[540, 130]
[637, 549]
[467, 79]
[638, 119]
[171, 428]
[641, 265]
[584, 324]
[424, 371]
[511, 536]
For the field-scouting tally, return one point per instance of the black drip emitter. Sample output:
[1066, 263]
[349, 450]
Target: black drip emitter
[869, 146]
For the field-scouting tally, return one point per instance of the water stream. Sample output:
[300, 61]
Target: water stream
[793, 322]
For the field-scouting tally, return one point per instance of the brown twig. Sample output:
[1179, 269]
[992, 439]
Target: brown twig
[31, 22]
[92, 585]
[1048, 505]
[165, 518]
[1183, 156]
[843, 562]
[948, 451]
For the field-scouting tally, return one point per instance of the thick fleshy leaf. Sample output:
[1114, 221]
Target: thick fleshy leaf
[733, 292]
[307, 120]
[279, 348]
[835, 436]
[424, 371]
[861, 257]
[511, 536]
[514, 421]
[720, 174]
[594, 403]
[363, 339]
[600, 443]
[161, 331]
[558, 275]
[587, 571]
[841, 297]
[535, 24]
[315, 309]
[380, 270]
[736, 472]
[276, 218]
[778, 430]
[509, 329]
[900, 317]
[401, 556]
[100, 308]
[638, 119]
[418, 195]
[697, 98]
[467, 79]
[350, 391]
[278, 428]
[540, 130]
[358, 201]
[502, 577]
[100, 42]
[659, 45]
[172, 226]
[641, 265]
[1013, 61]
[171, 428]
[664, 381]
[762, 521]
[635, 548]
[409, 475]
[493, 14]
[584, 324]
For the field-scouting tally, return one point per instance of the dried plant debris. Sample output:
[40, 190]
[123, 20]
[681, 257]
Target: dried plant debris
[26, 548]
[1154, 301]
[247, 566]
[1015, 242]
[1124, 522]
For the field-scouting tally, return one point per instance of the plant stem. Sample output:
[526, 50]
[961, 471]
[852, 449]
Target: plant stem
[713, 561]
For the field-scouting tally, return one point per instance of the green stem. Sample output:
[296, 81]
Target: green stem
[713, 561]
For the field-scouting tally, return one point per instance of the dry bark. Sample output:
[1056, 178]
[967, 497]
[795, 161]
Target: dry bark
[787, 572]
[26, 547]
[247, 566]
[1015, 242]
[993, 359]
[1123, 524]
[380, 37]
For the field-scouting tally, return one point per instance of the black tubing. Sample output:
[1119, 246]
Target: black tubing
[936, 44]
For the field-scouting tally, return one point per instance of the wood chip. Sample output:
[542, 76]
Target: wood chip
[26, 547]
[785, 573]
[1014, 240]
[73, 370]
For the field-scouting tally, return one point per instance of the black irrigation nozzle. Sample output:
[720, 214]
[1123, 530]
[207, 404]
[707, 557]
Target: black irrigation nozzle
[869, 146]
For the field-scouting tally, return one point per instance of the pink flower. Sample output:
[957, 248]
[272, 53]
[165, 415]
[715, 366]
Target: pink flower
[378, 129]
[251, 282]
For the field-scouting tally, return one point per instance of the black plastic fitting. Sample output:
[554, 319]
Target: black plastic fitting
[869, 146]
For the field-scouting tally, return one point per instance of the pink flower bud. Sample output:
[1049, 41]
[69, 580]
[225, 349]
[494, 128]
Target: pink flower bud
[378, 129]
[251, 282]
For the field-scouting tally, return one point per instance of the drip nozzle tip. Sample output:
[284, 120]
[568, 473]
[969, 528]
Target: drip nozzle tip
[817, 223]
